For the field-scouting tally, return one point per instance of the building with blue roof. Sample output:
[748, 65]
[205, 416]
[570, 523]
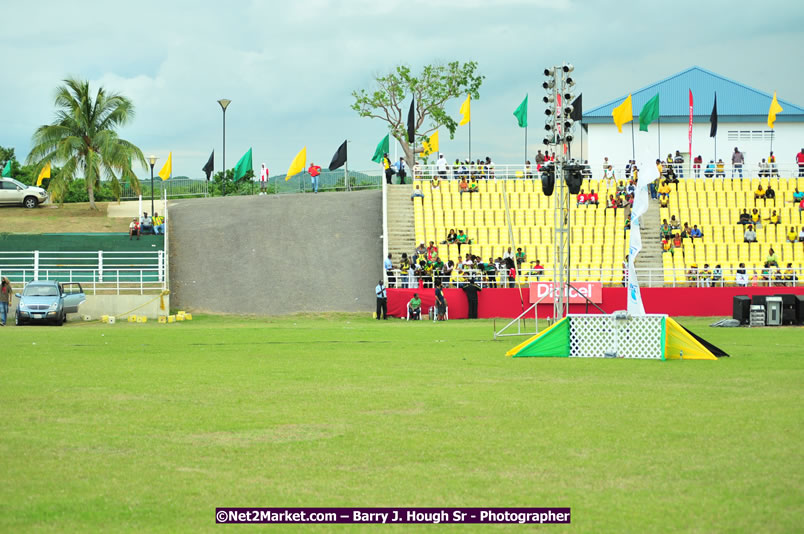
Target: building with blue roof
[742, 123]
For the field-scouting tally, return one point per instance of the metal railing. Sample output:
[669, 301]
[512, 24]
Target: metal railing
[615, 277]
[597, 172]
[174, 188]
[99, 271]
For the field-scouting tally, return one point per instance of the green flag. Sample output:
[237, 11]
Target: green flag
[649, 113]
[7, 170]
[521, 113]
[243, 166]
[382, 149]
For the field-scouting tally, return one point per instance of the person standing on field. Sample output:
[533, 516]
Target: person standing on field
[5, 300]
[382, 301]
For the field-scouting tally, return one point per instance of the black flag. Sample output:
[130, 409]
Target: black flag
[411, 122]
[713, 119]
[339, 158]
[210, 166]
[577, 108]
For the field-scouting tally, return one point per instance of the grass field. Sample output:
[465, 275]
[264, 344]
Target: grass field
[48, 218]
[149, 427]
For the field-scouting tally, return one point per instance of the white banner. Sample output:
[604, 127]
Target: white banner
[647, 173]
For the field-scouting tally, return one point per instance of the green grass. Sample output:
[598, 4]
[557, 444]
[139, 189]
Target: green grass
[149, 427]
[76, 217]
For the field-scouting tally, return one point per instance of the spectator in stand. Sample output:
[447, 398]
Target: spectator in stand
[790, 277]
[664, 230]
[756, 219]
[764, 170]
[798, 196]
[417, 193]
[667, 246]
[674, 224]
[772, 259]
[520, 258]
[759, 194]
[696, 233]
[593, 199]
[134, 229]
[737, 161]
[686, 231]
[452, 237]
[611, 203]
[159, 224]
[621, 187]
[774, 218]
[463, 187]
[664, 200]
[419, 252]
[801, 235]
[677, 243]
[435, 183]
[462, 239]
[539, 160]
[664, 189]
[750, 236]
[608, 175]
[606, 165]
[581, 199]
[717, 275]
[741, 277]
[800, 207]
[678, 164]
[400, 170]
[705, 276]
[490, 272]
[528, 171]
[692, 273]
[745, 217]
[441, 166]
[721, 169]
[432, 251]
[800, 163]
[792, 237]
[508, 254]
[474, 187]
[709, 172]
[696, 165]
[538, 269]
[774, 170]
[770, 193]
[388, 265]
[146, 224]
[509, 266]
[404, 268]
[386, 165]
[415, 307]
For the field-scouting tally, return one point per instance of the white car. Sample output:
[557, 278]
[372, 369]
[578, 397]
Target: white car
[17, 193]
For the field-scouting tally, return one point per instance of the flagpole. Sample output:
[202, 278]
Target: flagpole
[659, 130]
[633, 144]
[526, 144]
[470, 140]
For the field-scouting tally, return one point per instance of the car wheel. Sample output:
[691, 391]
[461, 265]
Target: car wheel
[59, 321]
[17, 321]
[30, 202]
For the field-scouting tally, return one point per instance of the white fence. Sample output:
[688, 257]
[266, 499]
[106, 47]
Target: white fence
[615, 277]
[97, 271]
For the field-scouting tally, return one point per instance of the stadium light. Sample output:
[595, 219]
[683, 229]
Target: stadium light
[152, 160]
[224, 102]
[550, 71]
[567, 67]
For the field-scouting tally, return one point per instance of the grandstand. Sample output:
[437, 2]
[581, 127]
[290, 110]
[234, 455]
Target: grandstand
[599, 239]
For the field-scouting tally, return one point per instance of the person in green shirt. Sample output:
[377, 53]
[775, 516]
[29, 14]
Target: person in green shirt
[520, 258]
[462, 240]
[415, 307]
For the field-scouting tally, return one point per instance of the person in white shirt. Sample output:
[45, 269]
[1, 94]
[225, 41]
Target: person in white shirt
[263, 179]
[441, 165]
[508, 254]
[741, 278]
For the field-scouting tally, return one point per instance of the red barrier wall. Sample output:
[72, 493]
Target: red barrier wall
[505, 302]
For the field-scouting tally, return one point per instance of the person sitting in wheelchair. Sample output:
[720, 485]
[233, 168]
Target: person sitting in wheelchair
[415, 307]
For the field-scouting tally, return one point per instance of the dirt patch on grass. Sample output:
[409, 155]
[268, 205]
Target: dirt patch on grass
[52, 218]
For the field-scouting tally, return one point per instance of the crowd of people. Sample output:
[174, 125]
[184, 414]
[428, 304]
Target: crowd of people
[146, 225]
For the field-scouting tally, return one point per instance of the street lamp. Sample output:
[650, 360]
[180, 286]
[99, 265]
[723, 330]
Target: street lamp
[224, 104]
[152, 160]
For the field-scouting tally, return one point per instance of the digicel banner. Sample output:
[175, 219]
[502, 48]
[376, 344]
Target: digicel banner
[592, 290]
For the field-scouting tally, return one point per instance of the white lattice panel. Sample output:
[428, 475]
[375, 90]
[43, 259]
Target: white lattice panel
[596, 336]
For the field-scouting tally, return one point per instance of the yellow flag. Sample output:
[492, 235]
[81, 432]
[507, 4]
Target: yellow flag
[774, 109]
[431, 145]
[42, 175]
[298, 165]
[167, 168]
[466, 110]
[623, 113]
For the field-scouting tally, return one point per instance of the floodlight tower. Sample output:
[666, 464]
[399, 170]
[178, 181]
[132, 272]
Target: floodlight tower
[557, 127]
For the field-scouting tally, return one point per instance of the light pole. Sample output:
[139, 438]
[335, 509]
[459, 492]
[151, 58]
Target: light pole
[224, 104]
[152, 160]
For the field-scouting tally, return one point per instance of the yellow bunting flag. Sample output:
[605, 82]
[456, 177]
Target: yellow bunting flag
[430, 146]
[298, 165]
[42, 175]
[774, 109]
[623, 113]
[466, 110]
[167, 168]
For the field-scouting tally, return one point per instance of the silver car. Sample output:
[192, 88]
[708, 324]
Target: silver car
[17, 193]
[48, 301]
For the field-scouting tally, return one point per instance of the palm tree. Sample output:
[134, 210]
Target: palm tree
[83, 140]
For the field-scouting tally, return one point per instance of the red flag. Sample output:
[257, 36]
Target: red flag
[690, 131]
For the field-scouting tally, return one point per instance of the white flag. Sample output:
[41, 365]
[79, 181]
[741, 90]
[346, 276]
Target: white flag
[641, 200]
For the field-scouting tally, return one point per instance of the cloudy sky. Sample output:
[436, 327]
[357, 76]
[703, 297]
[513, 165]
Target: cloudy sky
[289, 67]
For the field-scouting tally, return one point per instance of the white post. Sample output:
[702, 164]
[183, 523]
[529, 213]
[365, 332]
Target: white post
[36, 265]
[139, 207]
[161, 266]
[100, 265]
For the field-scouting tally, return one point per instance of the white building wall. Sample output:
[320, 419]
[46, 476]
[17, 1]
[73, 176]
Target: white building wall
[604, 140]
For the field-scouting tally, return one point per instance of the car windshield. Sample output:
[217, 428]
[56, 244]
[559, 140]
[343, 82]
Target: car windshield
[40, 291]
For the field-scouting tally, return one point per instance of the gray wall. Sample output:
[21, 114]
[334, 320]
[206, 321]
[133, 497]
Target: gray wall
[276, 254]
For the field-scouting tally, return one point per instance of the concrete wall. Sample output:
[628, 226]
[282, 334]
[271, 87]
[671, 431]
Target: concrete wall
[276, 254]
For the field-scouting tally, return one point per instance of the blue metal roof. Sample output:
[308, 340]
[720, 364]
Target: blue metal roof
[735, 102]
